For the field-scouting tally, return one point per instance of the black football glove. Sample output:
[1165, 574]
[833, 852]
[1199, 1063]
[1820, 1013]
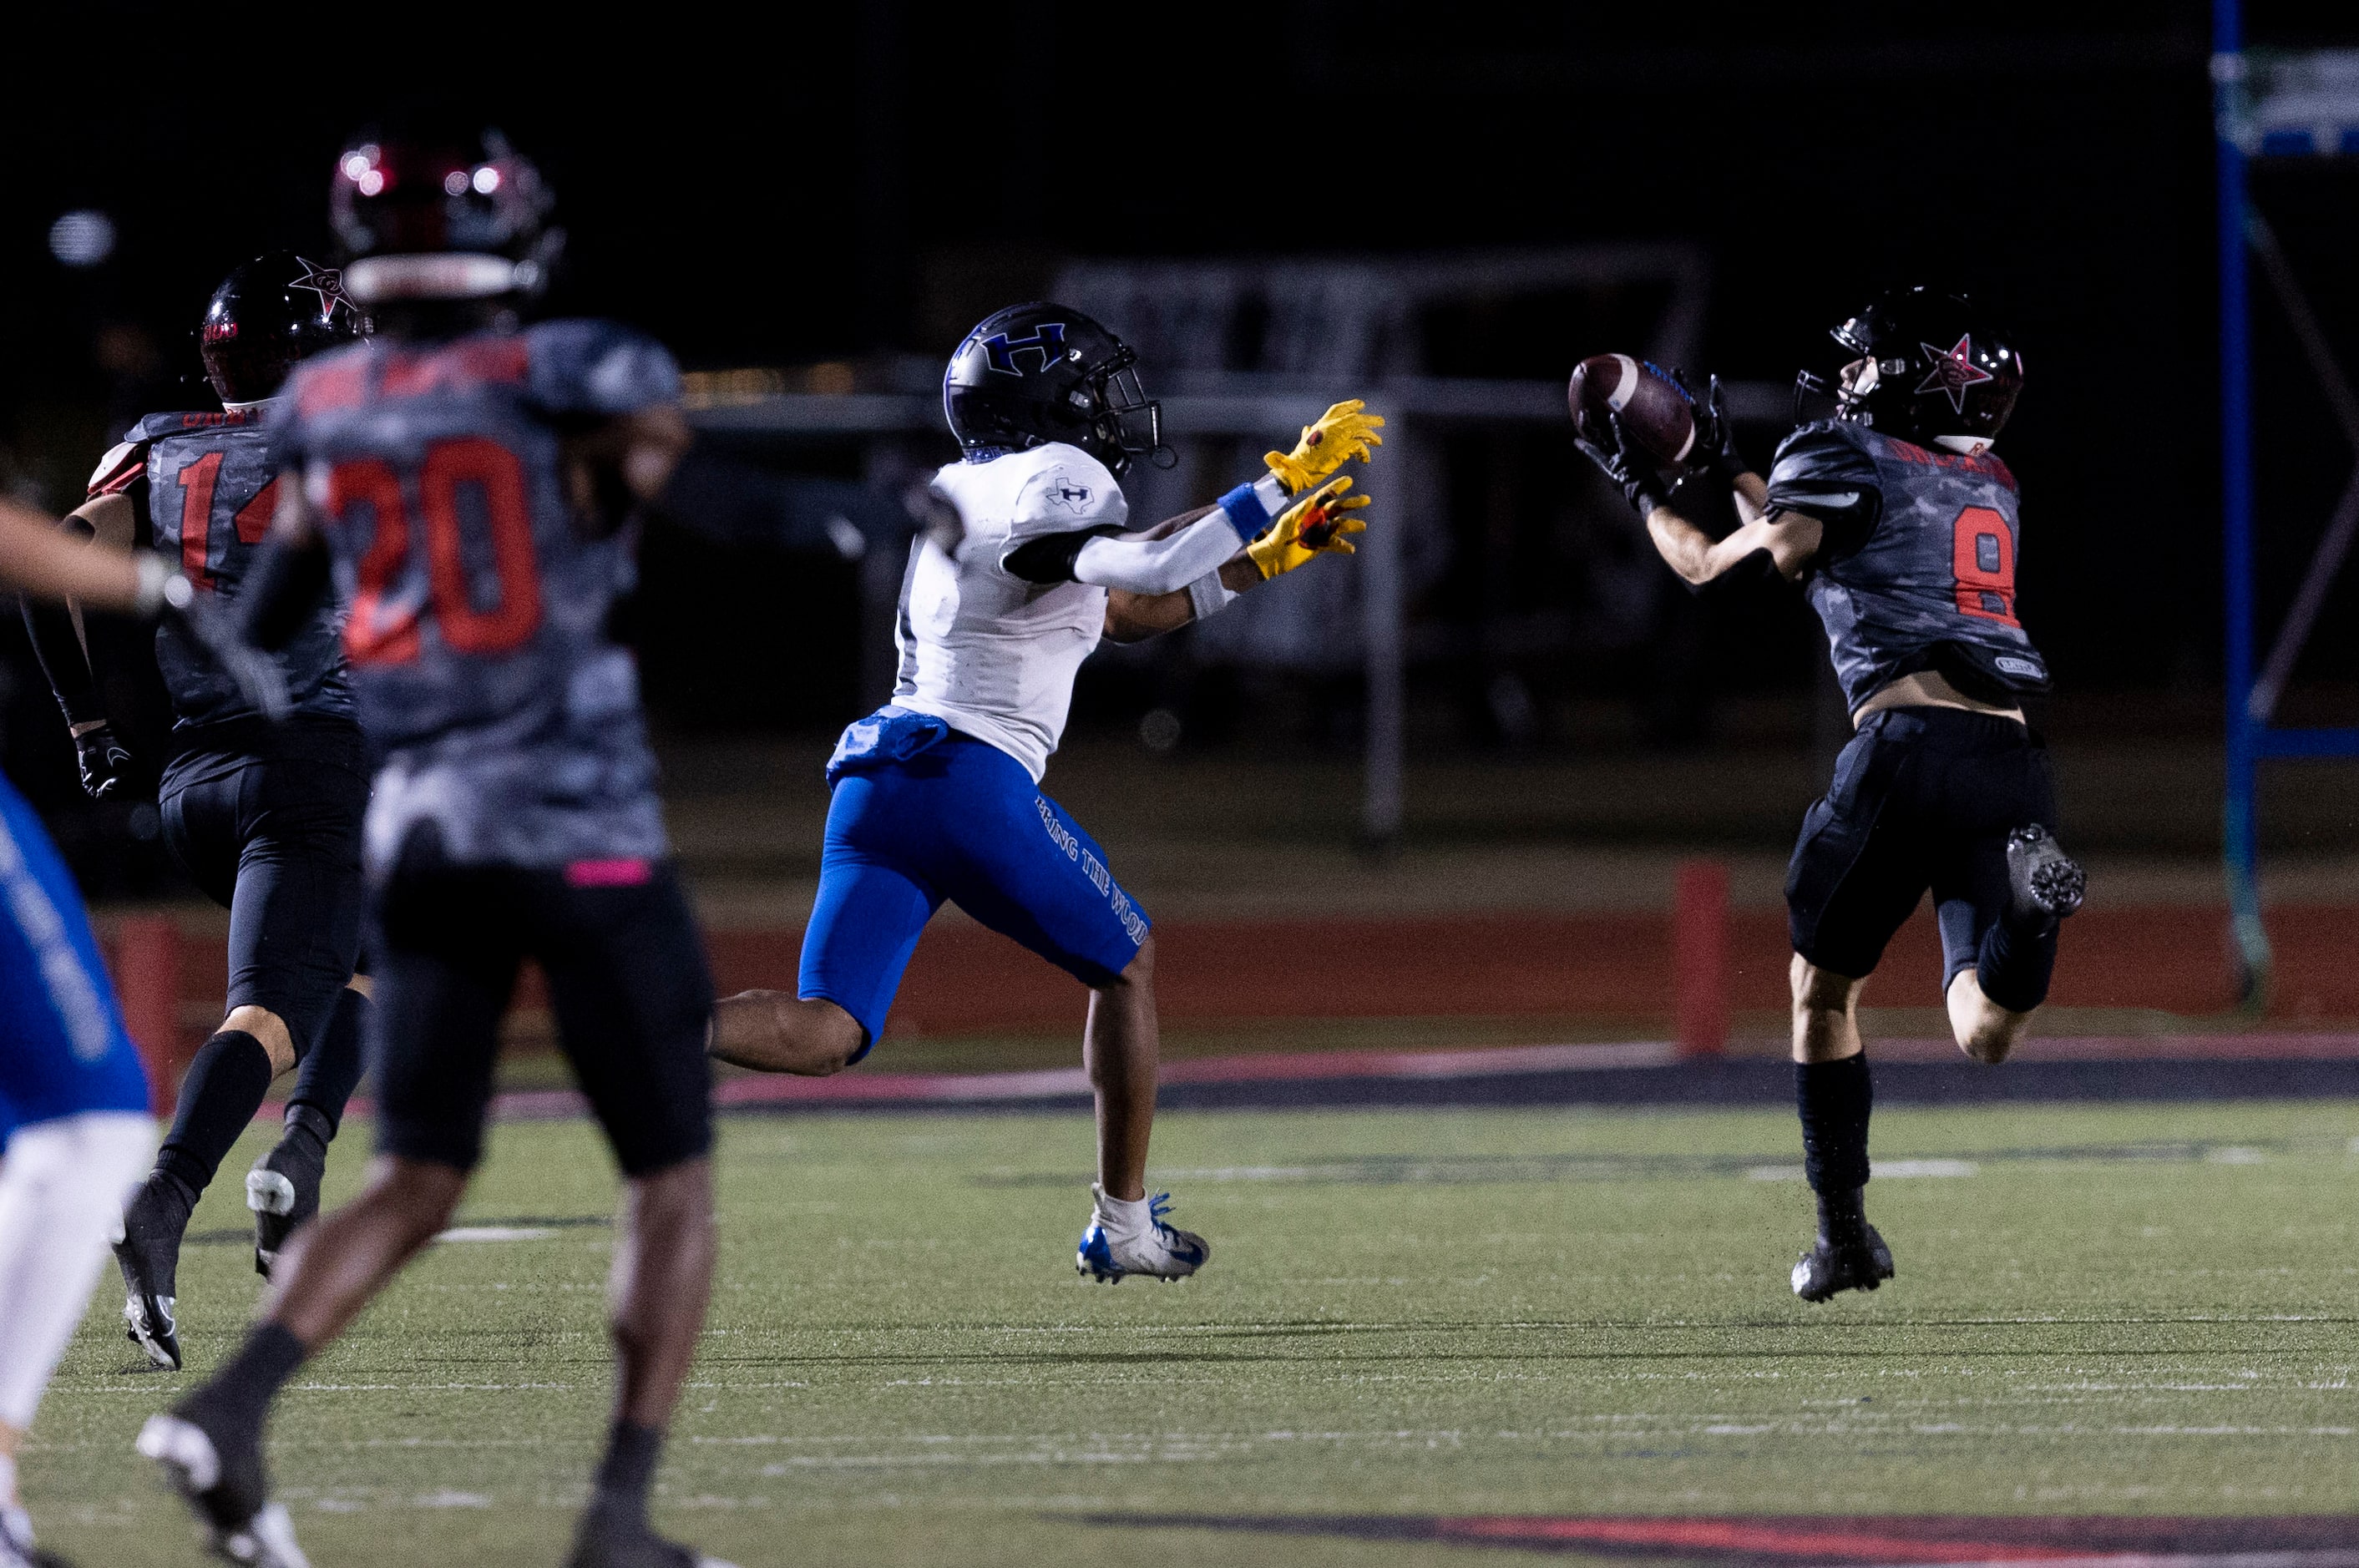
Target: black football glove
[103, 759]
[1715, 442]
[1630, 469]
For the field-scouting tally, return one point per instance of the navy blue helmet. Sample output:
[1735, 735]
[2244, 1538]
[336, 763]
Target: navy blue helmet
[1040, 373]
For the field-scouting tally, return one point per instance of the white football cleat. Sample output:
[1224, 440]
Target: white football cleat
[1126, 1238]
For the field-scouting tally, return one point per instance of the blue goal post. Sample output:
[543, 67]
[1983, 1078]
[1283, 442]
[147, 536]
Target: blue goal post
[2269, 106]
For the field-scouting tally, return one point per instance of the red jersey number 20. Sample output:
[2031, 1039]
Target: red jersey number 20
[380, 632]
[1982, 557]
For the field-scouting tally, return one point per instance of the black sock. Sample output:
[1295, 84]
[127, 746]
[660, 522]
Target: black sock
[236, 1399]
[1835, 1098]
[2016, 963]
[629, 1467]
[224, 1087]
[329, 1074]
[308, 1128]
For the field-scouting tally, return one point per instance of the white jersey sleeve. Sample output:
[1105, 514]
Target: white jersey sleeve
[991, 655]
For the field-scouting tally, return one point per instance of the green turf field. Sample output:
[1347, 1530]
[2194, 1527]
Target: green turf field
[2101, 1309]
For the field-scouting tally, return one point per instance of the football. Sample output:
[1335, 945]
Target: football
[1655, 412]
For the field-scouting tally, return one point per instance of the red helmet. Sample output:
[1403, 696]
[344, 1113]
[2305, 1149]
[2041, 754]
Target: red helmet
[428, 218]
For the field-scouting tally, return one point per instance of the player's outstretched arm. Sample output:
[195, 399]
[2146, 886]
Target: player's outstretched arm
[1319, 524]
[38, 557]
[1787, 539]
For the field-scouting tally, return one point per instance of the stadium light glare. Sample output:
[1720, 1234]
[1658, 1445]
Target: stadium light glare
[487, 180]
[82, 238]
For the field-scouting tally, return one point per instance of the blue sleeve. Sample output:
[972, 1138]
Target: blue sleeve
[597, 367]
[1820, 470]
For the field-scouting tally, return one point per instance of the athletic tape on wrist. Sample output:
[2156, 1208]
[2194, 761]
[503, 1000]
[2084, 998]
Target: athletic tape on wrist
[1209, 595]
[1242, 506]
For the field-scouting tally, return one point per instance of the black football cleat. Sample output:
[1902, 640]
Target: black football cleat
[617, 1538]
[223, 1480]
[2046, 882]
[148, 1253]
[283, 1191]
[1856, 1263]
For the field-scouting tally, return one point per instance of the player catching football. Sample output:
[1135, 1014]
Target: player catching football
[1901, 524]
[936, 796]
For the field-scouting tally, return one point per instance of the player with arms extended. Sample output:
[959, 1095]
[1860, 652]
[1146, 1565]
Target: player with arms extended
[265, 816]
[936, 796]
[470, 486]
[1902, 524]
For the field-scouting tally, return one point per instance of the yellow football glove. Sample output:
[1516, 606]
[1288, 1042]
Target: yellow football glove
[1342, 433]
[1316, 525]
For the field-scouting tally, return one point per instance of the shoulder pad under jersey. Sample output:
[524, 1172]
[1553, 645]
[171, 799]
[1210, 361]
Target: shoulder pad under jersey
[115, 473]
[599, 368]
[122, 465]
[1824, 469]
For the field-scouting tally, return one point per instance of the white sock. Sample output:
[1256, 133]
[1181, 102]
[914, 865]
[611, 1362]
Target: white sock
[62, 1186]
[1122, 1216]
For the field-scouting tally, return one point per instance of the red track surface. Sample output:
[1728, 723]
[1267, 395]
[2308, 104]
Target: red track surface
[967, 980]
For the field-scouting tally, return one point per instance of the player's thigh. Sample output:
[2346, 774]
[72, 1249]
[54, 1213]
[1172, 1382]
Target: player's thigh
[64, 1048]
[1026, 869]
[628, 984]
[865, 925]
[875, 894]
[199, 804]
[1859, 866]
[1999, 785]
[295, 922]
[446, 948]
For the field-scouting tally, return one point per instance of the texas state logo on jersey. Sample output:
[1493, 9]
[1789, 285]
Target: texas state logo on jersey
[208, 485]
[479, 600]
[1919, 564]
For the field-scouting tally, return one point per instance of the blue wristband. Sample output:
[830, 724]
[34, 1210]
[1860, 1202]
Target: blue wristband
[1245, 513]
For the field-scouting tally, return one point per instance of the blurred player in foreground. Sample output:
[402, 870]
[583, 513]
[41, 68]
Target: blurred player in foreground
[1902, 524]
[471, 485]
[266, 817]
[937, 795]
[74, 1126]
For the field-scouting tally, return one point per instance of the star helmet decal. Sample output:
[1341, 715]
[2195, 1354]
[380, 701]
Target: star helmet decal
[1954, 371]
[327, 282]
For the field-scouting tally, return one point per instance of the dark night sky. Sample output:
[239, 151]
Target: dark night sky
[782, 190]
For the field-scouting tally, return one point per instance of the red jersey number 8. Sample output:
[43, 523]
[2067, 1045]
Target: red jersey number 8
[1982, 557]
[378, 634]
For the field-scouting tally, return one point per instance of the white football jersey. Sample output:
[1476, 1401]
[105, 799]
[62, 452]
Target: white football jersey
[985, 651]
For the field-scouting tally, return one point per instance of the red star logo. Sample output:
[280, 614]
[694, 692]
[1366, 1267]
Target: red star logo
[1953, 372]
[327, 282]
